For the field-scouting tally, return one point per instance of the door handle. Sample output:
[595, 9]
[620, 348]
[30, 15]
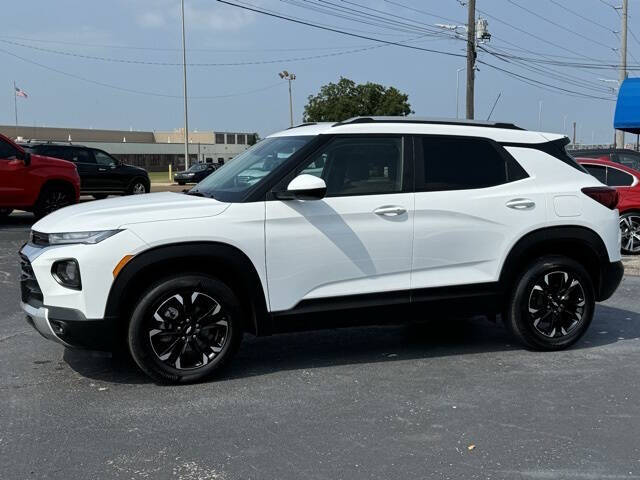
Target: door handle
[390, 211]
[521, 204]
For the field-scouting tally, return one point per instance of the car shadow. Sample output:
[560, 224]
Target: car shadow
[365, 345]
[20, 220]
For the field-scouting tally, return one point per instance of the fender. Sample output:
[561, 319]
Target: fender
[235, 267]
[580, 243]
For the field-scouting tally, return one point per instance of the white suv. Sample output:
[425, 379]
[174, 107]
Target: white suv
[398, 218]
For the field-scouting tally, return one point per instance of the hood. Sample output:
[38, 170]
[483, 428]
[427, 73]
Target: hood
[42, 161]
[115, 212]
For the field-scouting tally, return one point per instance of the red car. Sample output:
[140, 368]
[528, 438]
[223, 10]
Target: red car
[627, 181]
[33, 182]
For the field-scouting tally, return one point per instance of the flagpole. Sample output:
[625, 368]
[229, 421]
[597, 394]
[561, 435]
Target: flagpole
[15, 105]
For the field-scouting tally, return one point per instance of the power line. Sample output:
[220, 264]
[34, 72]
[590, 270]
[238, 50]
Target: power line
[129, 90]
[560, 26]
[586, 19]
[342, 32]
[197, 64]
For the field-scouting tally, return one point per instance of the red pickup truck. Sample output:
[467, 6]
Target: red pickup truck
[33, 182]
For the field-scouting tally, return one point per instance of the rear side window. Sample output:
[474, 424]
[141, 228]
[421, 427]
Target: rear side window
[463, 163]
[80, 155]
[597, 171]
[618, 178]
[55, 152]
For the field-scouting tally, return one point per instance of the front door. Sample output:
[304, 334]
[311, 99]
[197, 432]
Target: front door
[13, 191]
[358, 239]
[110, 176]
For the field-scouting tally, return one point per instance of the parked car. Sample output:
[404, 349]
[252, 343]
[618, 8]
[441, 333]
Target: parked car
[627, 182]
[34, 183]
[363, 221]
[628, 158]
[195, 173]
[101, 174]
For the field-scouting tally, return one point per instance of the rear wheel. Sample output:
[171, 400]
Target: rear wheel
[630, 232]
[51, 199]
[552, 304]
[184, 329]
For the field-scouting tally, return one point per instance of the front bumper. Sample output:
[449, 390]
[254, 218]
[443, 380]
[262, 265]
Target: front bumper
[70, 328]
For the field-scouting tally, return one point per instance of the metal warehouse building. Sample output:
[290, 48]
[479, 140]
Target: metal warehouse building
[154, 151]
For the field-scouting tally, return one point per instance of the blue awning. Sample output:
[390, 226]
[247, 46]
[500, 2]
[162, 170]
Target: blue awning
[627, 117]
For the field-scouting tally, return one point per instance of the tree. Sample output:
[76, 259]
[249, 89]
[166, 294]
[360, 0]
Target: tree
[346, 99]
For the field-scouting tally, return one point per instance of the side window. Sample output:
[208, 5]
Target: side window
[359, 166]
[455, 163]
[80, 155]
[597, 171]
[7, 150]
[618, 178]
[103, 159]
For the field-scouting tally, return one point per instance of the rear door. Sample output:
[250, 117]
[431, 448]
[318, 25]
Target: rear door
[356, 242]
[473, 201]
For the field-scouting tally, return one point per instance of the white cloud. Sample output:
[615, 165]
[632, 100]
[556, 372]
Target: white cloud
[198, 15]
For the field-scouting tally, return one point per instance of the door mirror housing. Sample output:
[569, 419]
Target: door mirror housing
[24, 156]
[304, 187]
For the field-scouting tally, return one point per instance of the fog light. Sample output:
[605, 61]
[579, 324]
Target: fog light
[57, 327]
[67, 273]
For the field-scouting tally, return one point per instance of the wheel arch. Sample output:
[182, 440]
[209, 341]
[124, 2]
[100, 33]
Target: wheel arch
[225, 262]
[579, 243]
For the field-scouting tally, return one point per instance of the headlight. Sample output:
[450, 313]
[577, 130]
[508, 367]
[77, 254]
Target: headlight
[80, 237]
[190, 174]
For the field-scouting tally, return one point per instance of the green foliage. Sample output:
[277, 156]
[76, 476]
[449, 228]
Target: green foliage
[346, 99]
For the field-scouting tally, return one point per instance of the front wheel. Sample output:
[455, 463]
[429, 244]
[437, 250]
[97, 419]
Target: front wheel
[184, 329]
[138, 187]
[630, 233]
[51, 199]
[552, 304]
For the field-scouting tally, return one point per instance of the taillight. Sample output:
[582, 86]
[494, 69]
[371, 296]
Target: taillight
[606, 196]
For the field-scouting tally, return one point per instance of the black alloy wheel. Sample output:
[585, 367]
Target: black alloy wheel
[552, 304]
[185, 328]
[52, 199]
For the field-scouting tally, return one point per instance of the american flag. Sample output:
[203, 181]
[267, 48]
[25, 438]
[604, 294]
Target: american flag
[21, 93]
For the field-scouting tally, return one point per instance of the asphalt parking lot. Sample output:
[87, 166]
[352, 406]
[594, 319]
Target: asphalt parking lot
[452, 399]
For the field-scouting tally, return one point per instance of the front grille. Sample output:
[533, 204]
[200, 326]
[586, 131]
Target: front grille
[29, 287]
[40, 239]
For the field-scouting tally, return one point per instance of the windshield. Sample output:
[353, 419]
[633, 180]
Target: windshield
[197, 167]
[232, 181]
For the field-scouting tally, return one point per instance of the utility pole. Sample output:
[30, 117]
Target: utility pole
[15, 104]
[574, 134]
[623, 62]
[184, 74]
[540, 115]
[458, 91]
[471, 56]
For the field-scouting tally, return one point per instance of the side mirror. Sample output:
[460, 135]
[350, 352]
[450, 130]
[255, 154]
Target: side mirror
[24, 156]
[304, 187]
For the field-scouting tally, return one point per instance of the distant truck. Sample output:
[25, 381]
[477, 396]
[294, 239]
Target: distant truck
[33, 182]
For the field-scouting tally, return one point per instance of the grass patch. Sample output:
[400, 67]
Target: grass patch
[159, 177]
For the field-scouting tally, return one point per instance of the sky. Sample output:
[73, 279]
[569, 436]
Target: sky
[117, 64]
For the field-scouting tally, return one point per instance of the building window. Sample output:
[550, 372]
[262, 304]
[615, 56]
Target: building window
[219, 137]
[231, 138]
[242, 139]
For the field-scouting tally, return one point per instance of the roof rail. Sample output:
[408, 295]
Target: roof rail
[304, 124]
[431, 121]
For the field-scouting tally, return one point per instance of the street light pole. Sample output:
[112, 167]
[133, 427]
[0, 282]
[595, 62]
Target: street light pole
[457, 91]
[289, 77]
[184, 74]
[623, 62]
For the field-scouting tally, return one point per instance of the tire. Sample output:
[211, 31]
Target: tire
[196, 353]
[138, 186]
[51, 199]
[552, 304]
[630, 231]
[100, 196]
[180, 183]
[5, 212]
